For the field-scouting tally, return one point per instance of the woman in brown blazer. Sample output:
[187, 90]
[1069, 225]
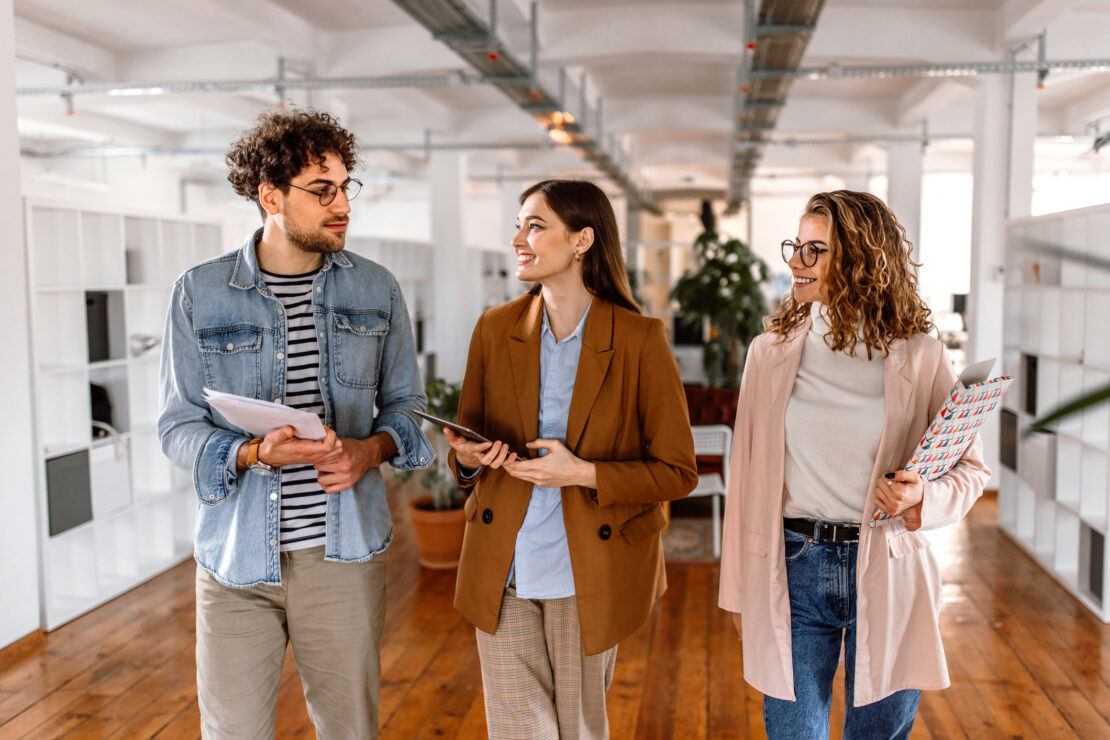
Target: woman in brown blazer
[562, 555]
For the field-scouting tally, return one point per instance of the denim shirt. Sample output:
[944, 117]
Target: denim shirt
[541, 559]
[225, 330]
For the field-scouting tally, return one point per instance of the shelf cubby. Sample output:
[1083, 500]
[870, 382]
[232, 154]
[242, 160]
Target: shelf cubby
[1038, 463]
[1065, 558]
[1096, 341]
[102, 260]
[55, 248]
[1068, 464]
[1092, 563]
[178, 253]
[110, 476]
[1092, 487]
[141, 252]
[1097, 245]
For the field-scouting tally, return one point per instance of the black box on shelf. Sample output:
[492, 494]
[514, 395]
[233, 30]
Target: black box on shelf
[1092, 545]
[1009, 446]
[1029, 381]
[96, 318]
[68, 491]
[105, 325]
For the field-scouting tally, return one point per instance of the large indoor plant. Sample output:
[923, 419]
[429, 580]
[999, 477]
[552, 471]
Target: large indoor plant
[723, 295]
[437, 516]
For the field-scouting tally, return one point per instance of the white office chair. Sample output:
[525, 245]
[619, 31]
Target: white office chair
[713, 439]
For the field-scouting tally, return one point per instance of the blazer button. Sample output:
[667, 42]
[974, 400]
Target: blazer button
[605, 532]
[487, 516]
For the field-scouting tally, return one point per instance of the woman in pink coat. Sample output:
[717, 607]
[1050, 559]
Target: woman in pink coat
[834, 398]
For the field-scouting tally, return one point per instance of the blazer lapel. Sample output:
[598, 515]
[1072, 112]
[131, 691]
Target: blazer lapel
[593, 364]
[898, 392]
[785, 365]
[524, 351]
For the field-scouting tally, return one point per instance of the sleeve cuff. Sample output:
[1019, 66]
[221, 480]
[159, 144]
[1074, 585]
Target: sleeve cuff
[414, 452]
[214, 472]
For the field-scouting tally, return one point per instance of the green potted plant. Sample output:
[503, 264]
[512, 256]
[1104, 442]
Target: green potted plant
[723, 294]
[437, 516]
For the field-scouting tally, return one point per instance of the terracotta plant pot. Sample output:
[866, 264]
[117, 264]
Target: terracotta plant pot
[439, 534]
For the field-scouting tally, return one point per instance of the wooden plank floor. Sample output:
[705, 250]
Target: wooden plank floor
[1027, 660]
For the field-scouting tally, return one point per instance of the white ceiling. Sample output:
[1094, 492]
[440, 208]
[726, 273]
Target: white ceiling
[666, 71]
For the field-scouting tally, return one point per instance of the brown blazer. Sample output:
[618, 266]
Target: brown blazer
[627, 415]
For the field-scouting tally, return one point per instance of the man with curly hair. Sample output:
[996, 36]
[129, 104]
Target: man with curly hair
[292, 533]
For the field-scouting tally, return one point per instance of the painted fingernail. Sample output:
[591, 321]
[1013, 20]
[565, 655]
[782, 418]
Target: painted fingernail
[890, 475]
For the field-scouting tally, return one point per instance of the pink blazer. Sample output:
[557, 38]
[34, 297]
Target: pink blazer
[898, 580]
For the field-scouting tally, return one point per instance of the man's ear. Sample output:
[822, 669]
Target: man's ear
[269, 198]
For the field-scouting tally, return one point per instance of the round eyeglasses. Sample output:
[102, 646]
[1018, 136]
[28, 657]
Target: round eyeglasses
[809, 251]
[327, 194]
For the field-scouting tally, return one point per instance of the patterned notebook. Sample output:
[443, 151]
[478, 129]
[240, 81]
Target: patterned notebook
[956, 424]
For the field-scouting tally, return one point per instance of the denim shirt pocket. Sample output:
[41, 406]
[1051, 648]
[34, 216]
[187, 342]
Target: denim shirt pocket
[232, 358]
[357, 340]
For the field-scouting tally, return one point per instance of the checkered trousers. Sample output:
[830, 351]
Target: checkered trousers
[538, 681]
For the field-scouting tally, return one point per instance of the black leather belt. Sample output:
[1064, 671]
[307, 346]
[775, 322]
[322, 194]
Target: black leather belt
[823, 531]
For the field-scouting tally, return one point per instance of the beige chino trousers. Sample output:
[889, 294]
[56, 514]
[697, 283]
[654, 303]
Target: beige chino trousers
[331, 613]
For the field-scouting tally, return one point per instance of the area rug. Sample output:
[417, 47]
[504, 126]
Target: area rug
[689, 540]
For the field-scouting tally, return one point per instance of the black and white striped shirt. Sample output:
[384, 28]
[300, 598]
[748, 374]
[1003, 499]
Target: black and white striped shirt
[303, 502]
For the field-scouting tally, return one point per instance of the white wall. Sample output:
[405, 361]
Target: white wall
[19, 569]
[945, 237]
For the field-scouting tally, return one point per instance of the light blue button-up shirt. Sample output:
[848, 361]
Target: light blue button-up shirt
[542, 558]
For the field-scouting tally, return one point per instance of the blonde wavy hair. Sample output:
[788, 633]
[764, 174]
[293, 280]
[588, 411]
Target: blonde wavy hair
[870, 278]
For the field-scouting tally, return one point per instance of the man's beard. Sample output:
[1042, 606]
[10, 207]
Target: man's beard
[313, 241]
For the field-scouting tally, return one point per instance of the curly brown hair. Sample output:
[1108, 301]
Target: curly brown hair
[871, 277]
[281, 145]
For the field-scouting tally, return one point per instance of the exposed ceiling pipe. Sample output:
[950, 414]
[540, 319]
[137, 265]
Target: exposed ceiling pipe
[776, 35]
[158, 151]
[924, 138]
[455, 23]
[954, 69]
[267, 85]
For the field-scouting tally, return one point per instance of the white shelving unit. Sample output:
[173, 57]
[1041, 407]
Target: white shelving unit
[113, 511]
[1056, 486]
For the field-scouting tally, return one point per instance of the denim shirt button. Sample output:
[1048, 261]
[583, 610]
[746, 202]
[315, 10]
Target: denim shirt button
[423, 459]
[319, 289]
[280, 355]
[272, 542]
[230, 346]
[211, 495]
[273, 497]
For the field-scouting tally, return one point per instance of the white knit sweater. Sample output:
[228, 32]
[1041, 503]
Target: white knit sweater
[834, 421]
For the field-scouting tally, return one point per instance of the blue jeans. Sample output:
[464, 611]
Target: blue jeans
[822, 584]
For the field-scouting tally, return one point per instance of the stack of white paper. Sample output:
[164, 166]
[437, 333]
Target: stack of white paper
[259, 417]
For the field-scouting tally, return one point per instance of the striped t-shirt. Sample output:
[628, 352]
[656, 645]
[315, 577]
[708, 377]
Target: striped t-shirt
[303, 502]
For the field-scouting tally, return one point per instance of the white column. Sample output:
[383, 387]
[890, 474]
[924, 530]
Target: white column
[452, 322]
[904, 162]
[19, 560]
[1023, 133]
[988, 238]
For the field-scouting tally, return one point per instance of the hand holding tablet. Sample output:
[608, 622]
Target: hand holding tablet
[459, 429]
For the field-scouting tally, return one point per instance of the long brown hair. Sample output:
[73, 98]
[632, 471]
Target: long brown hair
[871, 278]
[579, 204]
